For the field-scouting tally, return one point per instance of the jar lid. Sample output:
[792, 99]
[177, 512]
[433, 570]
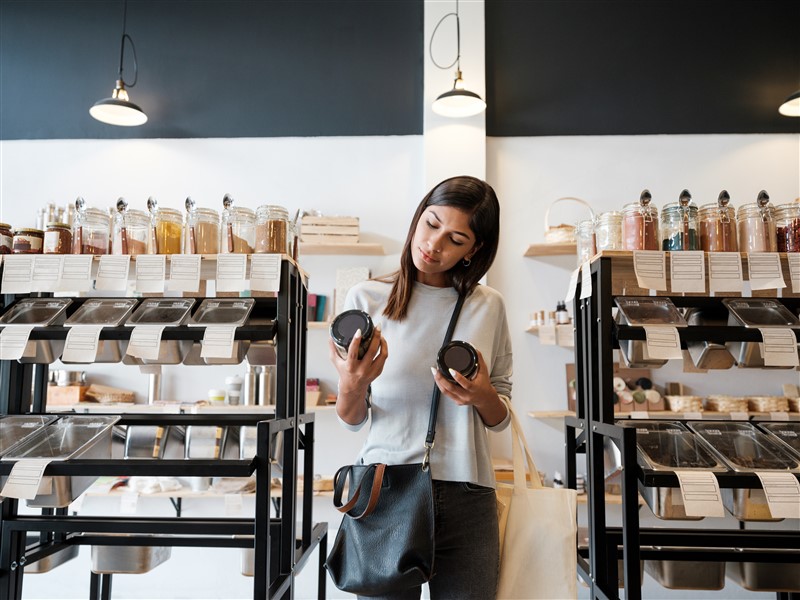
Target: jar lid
[5, 226]
[345, 325]
[677, 207]
[57, 224]
[459, 356]
[28, 230]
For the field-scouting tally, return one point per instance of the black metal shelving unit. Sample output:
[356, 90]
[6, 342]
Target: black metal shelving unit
[280, 550]
[596, 336]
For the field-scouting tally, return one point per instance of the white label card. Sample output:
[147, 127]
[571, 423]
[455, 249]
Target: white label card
[586, 280]
[17, 274]
[779, 348]
[794, 270]
[765, 271]
[725, 272]
[13, 340]
[145, 341]
[46, 272]
[547, 335]
[639, 414]
[112, 274]
[231, 272]
[650, 267]
[81, 344]
[233, 505]
[573, 285]
[76, 273]
[218, 342]
[700, 494]
[151, 271]
[184, 273]
[265, 272]
[128, 503]
[25, 477]
[663, 342]
[783, 494]
[688, 271]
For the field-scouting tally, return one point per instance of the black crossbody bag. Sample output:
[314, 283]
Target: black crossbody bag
[385, 543]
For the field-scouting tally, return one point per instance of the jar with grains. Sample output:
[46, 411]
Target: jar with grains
[640, 224]
[238, 233]
[27, 241]
[131, 232]
[679, 225]
[6, 238]
[718, 225]
[608, 231]
[168, 230]
[57, 239]
[756, 223]
[787, 227]
[90, 230]
[272, 229]
[202, 231]
[585, 240]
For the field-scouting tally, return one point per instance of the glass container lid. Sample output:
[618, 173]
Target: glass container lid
[745, 448]
[761, 313]
[110, 312]
[666, 445]
[223, 311]
[35, 311]
[649, 311]
[161, 311]
[16, 428]
[63, 438]
[786, 432]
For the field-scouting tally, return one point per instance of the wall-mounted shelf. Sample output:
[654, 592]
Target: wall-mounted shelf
[362, 249]
[563, 249]
[664, 414]
[319, 324]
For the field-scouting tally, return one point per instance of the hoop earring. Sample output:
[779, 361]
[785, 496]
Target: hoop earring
[466, 262]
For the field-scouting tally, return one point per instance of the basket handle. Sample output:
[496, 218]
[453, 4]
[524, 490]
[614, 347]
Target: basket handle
[556, 201]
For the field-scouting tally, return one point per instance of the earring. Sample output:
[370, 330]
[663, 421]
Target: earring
[466, 262]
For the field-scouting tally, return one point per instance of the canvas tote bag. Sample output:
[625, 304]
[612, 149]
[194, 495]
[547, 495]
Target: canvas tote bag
[538, 532]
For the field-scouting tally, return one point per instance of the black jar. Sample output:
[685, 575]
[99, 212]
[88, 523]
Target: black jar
[344, 327]
[459, 356]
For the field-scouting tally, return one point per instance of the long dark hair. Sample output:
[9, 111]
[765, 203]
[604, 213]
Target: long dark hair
[472, 196]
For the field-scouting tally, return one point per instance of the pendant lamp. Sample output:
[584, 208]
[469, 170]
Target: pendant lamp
[119, 110]
[457, 102]
[791, 106]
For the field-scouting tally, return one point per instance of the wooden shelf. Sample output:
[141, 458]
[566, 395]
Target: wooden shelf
[563, 249]
[319, 324]
[362, 249]
[551, 414]
[659, 414]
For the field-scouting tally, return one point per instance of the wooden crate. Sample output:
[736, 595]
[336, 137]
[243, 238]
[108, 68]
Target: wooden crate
[329, 230]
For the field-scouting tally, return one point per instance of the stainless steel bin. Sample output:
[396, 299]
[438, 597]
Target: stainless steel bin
[169, 312]
[687, 574]
[756, 313]
[131, 560]
[50, 562]
[641, 311]
[766, 576]
[230, 312]
[108, 312]
[39, 312]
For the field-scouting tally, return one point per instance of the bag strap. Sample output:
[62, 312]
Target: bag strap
[436, 392]
[340, 479]
[518, 444]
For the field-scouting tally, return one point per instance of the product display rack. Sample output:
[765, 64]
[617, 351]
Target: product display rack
[280, 549]
[596, 337]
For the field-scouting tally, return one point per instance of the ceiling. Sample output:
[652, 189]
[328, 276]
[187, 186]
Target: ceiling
[241, 68]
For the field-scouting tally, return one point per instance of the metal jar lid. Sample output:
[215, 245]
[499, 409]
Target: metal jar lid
[459, 356]
[29, 231]
[345, 325]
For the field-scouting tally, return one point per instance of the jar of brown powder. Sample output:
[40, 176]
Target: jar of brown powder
[640, 224]
[57, 239]
[272, 229]
[718, 225]
[756, 224]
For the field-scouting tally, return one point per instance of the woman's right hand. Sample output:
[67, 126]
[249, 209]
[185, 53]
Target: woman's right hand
[355, 375]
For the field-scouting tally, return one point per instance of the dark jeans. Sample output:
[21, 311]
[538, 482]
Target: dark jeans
[467, 559]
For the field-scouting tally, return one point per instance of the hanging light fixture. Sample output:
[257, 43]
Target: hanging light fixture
[458, 102]
[791, 106]
[119, 110]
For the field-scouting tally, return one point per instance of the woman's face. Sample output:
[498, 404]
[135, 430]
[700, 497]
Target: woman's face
[442, 239]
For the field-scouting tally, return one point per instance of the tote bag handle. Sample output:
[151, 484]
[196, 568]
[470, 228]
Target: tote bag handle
[518, 444]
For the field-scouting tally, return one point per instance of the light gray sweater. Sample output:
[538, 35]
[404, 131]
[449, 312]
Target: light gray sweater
[401, 395]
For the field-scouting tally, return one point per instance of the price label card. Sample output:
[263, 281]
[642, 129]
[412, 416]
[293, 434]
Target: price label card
[779, 348]
[586, 280]
[765, 271]
[13, 340]
[700, 494]
[573, 285]
[81, 344]
[663, 342]
[76, 273]
[794, 270]
[639, 414]
[46, 272]
[265, 272]
[650, 267]
[783, 494]
[231, 272]
[688, 271]
[184, 273]
[112, 274]
[725, 272]
[218, 342]
[145, 341]
[17, 274]
[25, 478]
[151, 272]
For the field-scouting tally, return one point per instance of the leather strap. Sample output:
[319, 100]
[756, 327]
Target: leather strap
[375, 490]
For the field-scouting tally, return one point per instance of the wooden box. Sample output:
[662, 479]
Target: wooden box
[329, 230]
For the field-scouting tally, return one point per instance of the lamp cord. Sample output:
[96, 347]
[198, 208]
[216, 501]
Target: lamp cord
[457, 61]
[122, 49]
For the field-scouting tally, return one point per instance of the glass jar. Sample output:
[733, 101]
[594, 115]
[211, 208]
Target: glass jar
[27, 241]
[90, 231]
[679, 225]
[640, 225]
[272, 229]
[608, 231]
[6, 238]
[585, 240]
[57, 239]
[787, 227]
[131, 232]
[202, 232]
[168, 229]
[756, 222]
[238, 234]
[718, 226]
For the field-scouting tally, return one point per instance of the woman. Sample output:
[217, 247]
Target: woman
[451, 243]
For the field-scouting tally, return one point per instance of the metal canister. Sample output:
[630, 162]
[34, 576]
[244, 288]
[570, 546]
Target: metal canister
[344, 327]
[458, 356]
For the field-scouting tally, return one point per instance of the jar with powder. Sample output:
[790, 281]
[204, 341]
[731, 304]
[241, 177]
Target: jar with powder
[585, 240]
[718, 225]
[640, 224]
[608, 231]
[756, 223]
[787, 227]
[90, 230]
[27, 241]
[6, 238]
[238, 235]
[131, 232]
[168, 230]
[57, 239]
[272, 229]
[202, 232]
[679, 225]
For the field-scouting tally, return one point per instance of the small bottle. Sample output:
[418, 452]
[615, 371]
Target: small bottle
[551, 317]
[562, 316]
[558, 482]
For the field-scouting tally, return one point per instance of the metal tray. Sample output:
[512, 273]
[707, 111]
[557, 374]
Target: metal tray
[170, 312]
[751, 312]
[109, 312]
[51, 561]
[16, 428]
[128, 559]
[766, 576]
[74, 436]
[708, 355]
[788, 433]
[648, 310]
[687, 574]
[39, 312]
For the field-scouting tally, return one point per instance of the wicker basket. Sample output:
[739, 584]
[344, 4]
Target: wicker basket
[562, 234]
[726, 404]
[768, 403]
[684, 403]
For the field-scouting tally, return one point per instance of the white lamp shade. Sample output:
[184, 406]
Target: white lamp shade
[791, 108]
[459, 103]
[118, 112]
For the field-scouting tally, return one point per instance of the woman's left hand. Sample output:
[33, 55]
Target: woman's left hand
[478, 392]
